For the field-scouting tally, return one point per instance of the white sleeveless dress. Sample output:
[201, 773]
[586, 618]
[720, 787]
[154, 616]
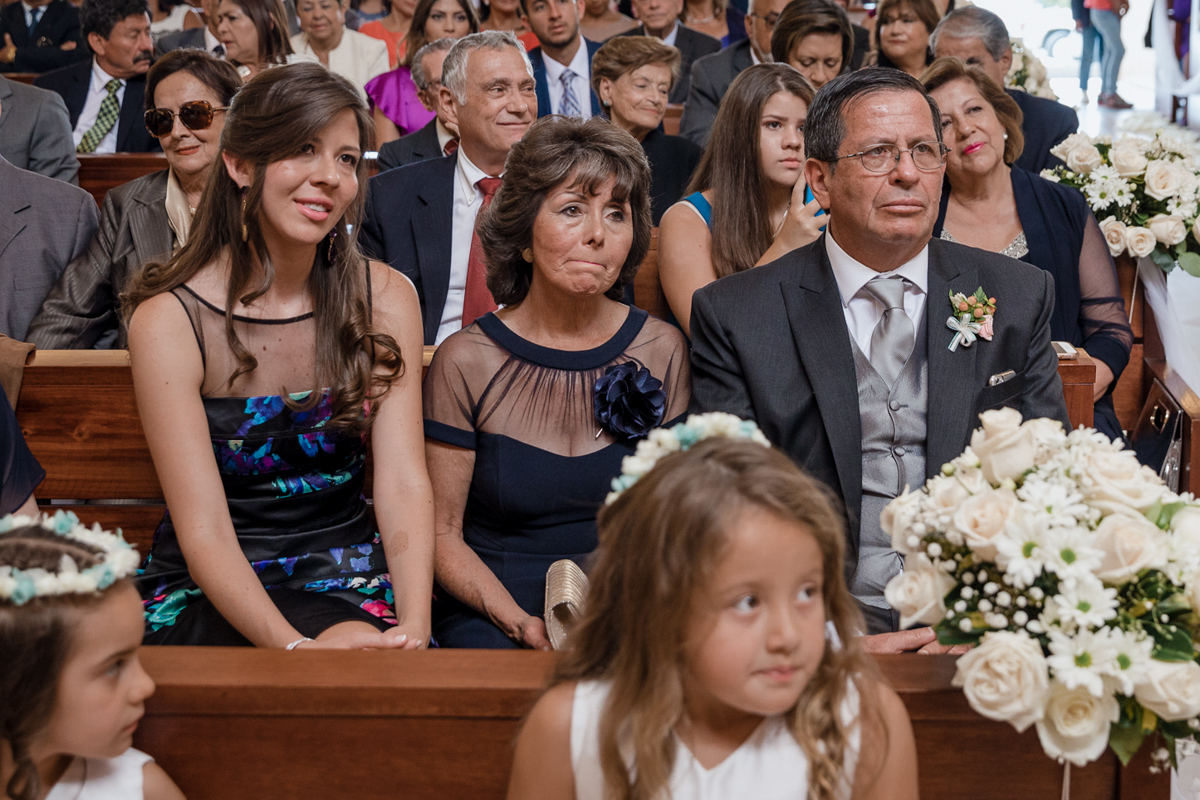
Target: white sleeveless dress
[770, 765]
[117, 778]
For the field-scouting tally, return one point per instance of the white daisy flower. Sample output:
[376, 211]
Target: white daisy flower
[1080, 660]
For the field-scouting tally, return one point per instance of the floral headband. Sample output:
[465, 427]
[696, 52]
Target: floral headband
[118, 559]
[664, 441]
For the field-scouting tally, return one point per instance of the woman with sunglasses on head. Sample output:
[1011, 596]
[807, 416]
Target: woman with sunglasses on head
[187, 92]
[267, 355]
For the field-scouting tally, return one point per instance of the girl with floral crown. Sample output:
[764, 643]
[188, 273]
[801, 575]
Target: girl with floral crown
[71, 687]
[717, 655]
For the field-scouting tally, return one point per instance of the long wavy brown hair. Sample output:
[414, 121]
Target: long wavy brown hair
[731, 167]
[271, 119]
[660, 542]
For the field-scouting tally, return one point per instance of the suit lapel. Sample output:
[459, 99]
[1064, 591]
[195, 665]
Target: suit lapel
[131, 112]
[952, 382]
[426, 144]
[592, 47]
[11, 222]
[77, 89]
[14, 14]
[433, 232]
[149, 226]
[814, 309]
[539, 75]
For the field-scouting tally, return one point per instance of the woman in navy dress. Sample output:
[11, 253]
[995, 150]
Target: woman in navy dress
[20, 473]
[529, 411]
[992, 204]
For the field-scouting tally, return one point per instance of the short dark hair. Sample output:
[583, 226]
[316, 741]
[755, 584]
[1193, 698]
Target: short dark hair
[101, 16]
[220, 76]
[556, 150]
[801, 18]
[826, 124]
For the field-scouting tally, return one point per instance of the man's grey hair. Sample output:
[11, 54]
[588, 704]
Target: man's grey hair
[826, 124]
[454, 68]
[973, 22]
[419, 75]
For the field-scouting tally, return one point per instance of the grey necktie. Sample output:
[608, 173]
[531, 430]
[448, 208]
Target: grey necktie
[894, 335]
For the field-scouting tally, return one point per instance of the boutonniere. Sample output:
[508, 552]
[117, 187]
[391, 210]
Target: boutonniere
[971, 318]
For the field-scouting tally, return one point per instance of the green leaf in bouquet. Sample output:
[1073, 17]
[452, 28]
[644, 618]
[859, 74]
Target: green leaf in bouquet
[1181, 248]
[951, 634]
[1171, 645]
[1164, 260]
[1165, 513]
[1125, 738]
[1191, 264]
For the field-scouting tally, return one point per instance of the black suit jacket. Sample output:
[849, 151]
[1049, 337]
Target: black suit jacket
[1046, 124]
[42, 51]
[691, 46]
[711, 76]
[409, 223]
[416, 146]
[80, 313]
[72, 83]
[862, 46]
[538, 60]
[771, 344]
[673, 159]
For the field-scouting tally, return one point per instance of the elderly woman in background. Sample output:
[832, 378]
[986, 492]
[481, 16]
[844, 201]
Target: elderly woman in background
[994, 205]
[747, 203]
[392, 29]
[324, 36]
[397, 108]
[901, 36]
[815, 37]
[717, 18]
[633, 76]
[530, 410]
[187, 93]
[254, 34]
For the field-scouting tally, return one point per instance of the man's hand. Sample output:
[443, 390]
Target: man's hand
[8, 54]
[919, 640]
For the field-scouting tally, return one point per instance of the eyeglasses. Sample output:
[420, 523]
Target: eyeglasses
[883, 158]
[196, 115]
[770, 19]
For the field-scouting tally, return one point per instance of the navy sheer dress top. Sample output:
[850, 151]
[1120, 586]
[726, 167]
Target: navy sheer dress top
[20, 473]
[543, 464]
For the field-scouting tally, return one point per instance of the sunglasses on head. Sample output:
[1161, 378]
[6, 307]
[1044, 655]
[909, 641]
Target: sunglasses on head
[196, 115]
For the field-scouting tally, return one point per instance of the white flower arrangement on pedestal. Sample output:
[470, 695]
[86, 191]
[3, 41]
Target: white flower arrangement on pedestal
[1145, 191]
[1075, 572]
[1027, 73]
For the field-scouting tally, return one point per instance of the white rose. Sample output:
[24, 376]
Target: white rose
[897, 517]
[1196, 229]
[1168, 228]
[1117, 484]
[1114, 234]
[1075, 725]
[1128, 160]
[1005, 449]
[1140, 241]
[1006, 678]
[918, 593]
[1163, 179]
[1061, 149]
[1185, 537]
[1171, 689]
[1130, 545]
[946, 494]
[982, 519]
[1083, 159]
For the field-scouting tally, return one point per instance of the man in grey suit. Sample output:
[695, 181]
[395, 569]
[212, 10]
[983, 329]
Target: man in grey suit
[35, 131]
[438, 138]
[840, 350]
[712, 75]
[660, 19]
[44, 223]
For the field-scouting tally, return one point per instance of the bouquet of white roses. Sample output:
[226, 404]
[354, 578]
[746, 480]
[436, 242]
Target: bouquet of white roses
[1075, 572]
[1145, 191]
[1027, 73]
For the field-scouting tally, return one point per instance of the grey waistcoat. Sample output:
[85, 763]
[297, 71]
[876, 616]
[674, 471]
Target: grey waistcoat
[893, 456]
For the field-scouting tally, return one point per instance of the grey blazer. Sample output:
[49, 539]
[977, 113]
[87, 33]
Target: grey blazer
[711, 76]
[771, 344]
[44, 224]
[80, 313]
[35, 131]
[691, 46]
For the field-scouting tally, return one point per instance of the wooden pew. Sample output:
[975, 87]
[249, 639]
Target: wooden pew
[671, 119]
[1078, 377]
[21, 77]
[78, 414]
[230, 723]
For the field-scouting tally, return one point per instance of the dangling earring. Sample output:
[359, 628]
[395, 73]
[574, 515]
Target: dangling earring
[332, 239]
[527, 254]
[245, 232]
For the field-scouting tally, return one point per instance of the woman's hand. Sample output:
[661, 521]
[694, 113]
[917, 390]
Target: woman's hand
[531, 633]
[358, 639]
[801, 226]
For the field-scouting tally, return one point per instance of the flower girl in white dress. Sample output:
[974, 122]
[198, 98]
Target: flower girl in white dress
[71, 687]
[709, 661]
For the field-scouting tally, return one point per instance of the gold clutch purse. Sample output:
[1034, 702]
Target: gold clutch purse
[566, 592]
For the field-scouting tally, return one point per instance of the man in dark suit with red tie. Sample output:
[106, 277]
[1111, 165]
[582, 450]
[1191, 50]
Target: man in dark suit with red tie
[420, 219]
[39, 35]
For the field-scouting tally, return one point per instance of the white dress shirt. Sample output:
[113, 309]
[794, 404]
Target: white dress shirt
[28, 9]
[581, 65]
[358, 58]
[443, 133]
[862, 310]
[670, 37]
[91, 110]
[468, 198]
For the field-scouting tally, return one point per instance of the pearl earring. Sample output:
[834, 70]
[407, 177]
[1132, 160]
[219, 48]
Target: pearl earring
[1006, 137]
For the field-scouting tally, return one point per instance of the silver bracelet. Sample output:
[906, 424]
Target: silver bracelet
[297, 643]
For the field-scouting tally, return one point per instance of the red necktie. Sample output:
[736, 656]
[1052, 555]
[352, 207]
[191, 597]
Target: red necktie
[451, 147]
[477, 300]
